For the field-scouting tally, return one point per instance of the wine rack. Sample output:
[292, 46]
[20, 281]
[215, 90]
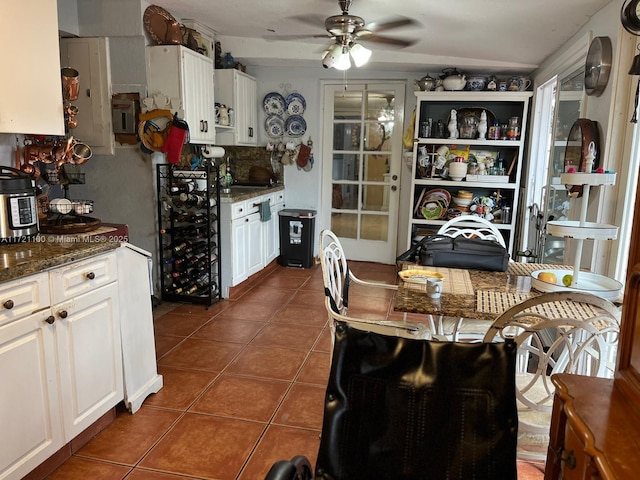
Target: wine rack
[189, 226]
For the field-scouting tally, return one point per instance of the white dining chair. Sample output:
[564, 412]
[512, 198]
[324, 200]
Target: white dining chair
[456, 329]
[337, 279]
[558, 332]
[472, 226]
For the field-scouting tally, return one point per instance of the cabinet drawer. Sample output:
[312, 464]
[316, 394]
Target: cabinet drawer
[238, 209]
[253, 204]
[81, 277]
[22, 297]
[278, 197]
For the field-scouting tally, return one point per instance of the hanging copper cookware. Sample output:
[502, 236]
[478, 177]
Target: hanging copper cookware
[70, 84]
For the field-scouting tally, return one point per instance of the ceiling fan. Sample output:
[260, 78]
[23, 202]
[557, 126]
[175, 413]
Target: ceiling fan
[348, 30]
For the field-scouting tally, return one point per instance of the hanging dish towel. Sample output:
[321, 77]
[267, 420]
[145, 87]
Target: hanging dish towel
[265, 211]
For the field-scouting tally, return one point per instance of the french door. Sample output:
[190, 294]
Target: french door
[363, 149]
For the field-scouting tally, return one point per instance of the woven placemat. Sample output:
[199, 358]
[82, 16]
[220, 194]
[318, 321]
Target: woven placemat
[455, 281]
[498, 303]
[525, 269]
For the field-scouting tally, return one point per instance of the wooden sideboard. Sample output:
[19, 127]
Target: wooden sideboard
[595, 428]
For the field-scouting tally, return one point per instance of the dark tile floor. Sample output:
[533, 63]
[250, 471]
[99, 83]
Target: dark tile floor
[243, 385]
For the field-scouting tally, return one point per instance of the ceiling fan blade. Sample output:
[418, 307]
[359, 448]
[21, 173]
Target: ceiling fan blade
[312, 20]
[390, 23]
[295, 37]
[398, 42]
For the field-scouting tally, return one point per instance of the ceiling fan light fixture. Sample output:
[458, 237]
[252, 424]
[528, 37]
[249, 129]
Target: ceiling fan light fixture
[331, 55]
[360, 54]
[343, 62]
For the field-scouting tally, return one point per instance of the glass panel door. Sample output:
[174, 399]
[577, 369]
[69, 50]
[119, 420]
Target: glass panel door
[569, 109]
[361, 177]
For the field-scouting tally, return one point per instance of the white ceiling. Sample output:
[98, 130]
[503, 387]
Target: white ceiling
[483, 36]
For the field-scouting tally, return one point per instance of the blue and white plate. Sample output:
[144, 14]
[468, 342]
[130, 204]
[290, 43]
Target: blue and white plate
[274, 104]
[295, 126]
[296, 104]
[274, 125]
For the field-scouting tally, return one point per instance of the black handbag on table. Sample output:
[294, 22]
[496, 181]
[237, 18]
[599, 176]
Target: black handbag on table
[459, 252]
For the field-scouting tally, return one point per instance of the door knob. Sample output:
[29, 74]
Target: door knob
[63, 314]
[393, 188]
[91, 275]
[50, 319]
[8, 304]
[394, 177]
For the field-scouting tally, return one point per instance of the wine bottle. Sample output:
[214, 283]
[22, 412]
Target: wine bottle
[178, 188]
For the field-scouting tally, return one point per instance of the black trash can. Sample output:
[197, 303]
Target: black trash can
[297, 229]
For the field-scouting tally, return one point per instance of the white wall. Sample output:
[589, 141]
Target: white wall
[303, 189]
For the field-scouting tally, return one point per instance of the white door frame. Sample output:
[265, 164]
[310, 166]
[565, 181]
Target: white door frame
[359, 249]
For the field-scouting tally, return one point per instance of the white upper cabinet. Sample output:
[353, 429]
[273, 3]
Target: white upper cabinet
[178, 72]
[30, 84]
[237, 90]
[90, 57]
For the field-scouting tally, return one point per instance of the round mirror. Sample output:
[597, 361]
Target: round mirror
[630, 16]
[582, 133]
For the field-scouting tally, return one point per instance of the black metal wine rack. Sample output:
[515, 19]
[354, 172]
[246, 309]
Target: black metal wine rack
[188, 234]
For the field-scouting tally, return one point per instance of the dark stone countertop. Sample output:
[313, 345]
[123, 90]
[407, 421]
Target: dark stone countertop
[240, 193]
[48, 251]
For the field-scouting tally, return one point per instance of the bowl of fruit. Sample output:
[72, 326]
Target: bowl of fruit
[585, 282]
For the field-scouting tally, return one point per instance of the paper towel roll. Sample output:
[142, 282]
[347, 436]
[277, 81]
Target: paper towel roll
[209, 151]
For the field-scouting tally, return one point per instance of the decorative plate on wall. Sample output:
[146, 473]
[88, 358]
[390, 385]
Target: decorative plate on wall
[274, 125]
[295, 126]
[274, 104]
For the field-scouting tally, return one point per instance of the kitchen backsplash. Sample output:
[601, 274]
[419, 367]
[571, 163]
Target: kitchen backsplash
[250, 165]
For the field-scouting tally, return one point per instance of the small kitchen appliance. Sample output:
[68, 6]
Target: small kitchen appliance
[18, 212]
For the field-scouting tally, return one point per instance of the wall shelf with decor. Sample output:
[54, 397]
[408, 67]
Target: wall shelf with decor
[489, 134]
[189, 217]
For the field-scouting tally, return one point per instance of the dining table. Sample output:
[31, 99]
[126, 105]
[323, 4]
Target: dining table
[466, 293]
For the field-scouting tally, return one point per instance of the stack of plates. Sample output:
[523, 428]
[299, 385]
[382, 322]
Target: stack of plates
[435, 204]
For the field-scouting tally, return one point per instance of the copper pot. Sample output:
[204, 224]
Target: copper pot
[70, 84]
[38, 153]
[81, 153]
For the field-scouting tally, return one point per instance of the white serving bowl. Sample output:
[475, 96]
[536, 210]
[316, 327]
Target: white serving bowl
[457, 170]
[462, 201]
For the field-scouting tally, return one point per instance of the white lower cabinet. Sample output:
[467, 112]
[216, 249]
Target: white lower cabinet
[29, 395]
[236, 252]
[248, 244]
[61, 358]
[272, 240]
[89, 357]
[255, 243]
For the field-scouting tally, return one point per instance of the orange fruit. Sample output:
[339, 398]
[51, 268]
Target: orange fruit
[548, 277]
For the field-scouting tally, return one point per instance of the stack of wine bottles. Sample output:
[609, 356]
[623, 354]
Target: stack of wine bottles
[188, 215]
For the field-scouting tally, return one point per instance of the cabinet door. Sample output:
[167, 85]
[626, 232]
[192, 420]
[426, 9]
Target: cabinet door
[38, 87]
[197, 96]
[255, 243]
[89, 357]
[90, 57]
[239, 250]
[29, 406]
[246, 101]
[272, 240]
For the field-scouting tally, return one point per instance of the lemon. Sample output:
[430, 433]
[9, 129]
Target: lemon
[567, 279]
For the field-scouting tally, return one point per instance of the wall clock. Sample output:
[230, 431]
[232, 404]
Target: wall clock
[597, 66]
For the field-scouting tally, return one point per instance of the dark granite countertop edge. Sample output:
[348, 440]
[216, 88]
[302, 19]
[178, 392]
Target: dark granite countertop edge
[248, 193]
[24, 259]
